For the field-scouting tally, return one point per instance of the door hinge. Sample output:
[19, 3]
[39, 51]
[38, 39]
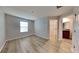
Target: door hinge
[74, 30]
[75, 14]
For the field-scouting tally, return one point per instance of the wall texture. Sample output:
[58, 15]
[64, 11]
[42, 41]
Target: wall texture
[41, 27]
[13, 27]
[2, 29]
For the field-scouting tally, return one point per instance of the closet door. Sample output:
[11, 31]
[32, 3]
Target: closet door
[53, 24]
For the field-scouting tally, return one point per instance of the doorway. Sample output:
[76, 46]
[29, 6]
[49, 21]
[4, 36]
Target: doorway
[67, 29]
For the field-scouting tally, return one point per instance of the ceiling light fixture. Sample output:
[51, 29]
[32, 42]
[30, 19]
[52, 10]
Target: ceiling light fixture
[65, 20]
[59, 7]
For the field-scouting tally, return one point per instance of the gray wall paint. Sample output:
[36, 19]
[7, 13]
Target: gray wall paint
[13, 27]
[2, 29]
[41, 27]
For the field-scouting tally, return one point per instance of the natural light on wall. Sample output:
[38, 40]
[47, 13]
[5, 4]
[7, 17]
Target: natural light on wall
[23, 26]
[65, 20]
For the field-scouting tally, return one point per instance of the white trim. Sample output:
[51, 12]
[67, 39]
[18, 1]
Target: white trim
[18, 37]
[41, 37]
[2, 46]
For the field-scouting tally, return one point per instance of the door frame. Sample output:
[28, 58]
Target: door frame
[53, 18]
[69, 14]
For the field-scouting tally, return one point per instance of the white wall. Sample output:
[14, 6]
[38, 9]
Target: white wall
[13, 27]
[2, 29]
[41, 27]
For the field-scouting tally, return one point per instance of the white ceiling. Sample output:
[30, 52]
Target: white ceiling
[34, 12]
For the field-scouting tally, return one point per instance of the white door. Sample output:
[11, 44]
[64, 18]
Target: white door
[53, 24]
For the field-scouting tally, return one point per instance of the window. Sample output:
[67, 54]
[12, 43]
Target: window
[23, 26]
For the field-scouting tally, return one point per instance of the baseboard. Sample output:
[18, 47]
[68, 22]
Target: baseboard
[41, 37]
[2, 46]
[19, 37]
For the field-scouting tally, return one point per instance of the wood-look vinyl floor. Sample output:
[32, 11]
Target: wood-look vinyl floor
[34, 44]
[31, 44]
[65, 46]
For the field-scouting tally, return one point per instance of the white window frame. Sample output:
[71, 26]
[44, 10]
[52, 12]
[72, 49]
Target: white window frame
[23, 26]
